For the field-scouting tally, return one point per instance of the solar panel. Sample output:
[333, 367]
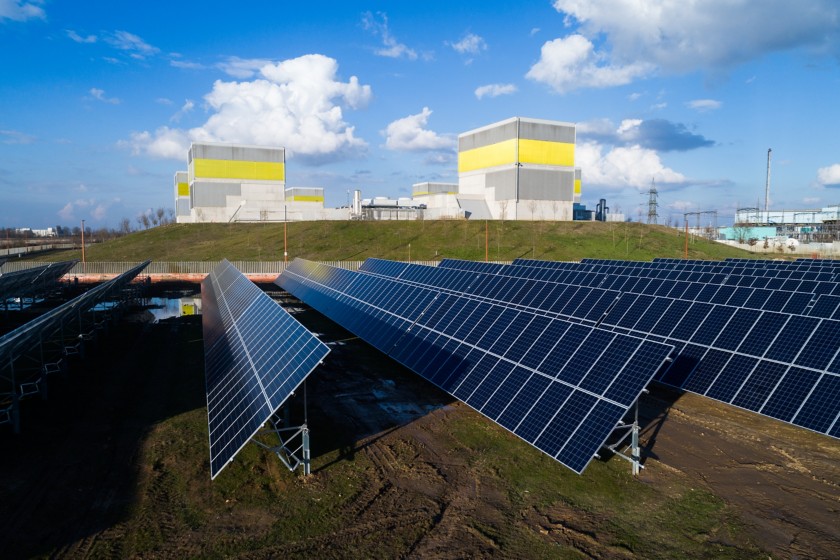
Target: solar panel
[561, 387]
[255, 356]
[724, 352]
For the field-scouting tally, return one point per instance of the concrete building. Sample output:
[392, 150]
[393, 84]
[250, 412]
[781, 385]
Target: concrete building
[518, 169]
[182, 197]
[237, 183]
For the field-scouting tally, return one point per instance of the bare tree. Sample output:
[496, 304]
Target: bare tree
[503, 206]
[125, 226]
[554, 207]
[532, 207]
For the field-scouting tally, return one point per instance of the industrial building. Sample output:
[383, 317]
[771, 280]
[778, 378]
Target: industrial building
[805, 226]
[516, 169]
[232, 182]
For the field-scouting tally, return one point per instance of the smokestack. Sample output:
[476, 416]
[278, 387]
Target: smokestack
[767, 188]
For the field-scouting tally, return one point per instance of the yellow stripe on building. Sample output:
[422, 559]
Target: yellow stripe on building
[501, 153]
[577, 186]
[229, 169]
[541, 152]
[183, 189]
[307, 198]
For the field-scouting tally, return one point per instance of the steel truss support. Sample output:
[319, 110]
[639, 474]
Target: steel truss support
[620, 447]
[291, 453]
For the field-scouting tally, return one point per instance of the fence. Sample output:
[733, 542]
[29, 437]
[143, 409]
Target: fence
[188, 267]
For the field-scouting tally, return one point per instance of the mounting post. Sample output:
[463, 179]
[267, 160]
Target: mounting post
[632, 430]
[290, 454]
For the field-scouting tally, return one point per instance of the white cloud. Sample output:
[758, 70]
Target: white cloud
[242, 68]
[704, 105]
[99, 95]
[296, 103]
[17, 10]
[811, 200]
[78, 38]
[188, 106]
[99, 212]
[829, 175]
[534, 31]
[572, 63]
[470, 44]
[15, 137]
[66, 212]
[716, 34]
[621, 167]
[163, 101]
[131, 43]
[186, 64]
[409, 134]
[391, 47]
[495, 90]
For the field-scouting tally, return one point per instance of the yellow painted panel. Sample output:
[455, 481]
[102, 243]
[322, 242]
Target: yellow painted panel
[183, 189]
[542, 152]
[501, 153]
[228, 169]
[307, 198]
[577, 186]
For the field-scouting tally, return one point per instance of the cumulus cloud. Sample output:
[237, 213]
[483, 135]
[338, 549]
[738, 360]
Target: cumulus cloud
[99, 95]
[572, 62]
[296, 103]
[470, 44]
[829, 176]
[135, 46]
[242, 68]
[655, 134]
[17, 10]
[409, 134]
[87, 206]
[704, 105]
[622, 167]
[15, 137]
[378, 25]
[78, 38]
[682, 37]
[494, 90]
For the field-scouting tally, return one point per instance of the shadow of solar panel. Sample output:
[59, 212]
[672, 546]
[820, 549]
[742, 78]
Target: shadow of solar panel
[255, 356]
[512, 365]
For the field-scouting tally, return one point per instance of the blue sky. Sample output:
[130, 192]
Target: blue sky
[99, 100]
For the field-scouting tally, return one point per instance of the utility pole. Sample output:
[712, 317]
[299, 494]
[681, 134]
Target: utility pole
[767, 189]
[84, 265]
[652, 203]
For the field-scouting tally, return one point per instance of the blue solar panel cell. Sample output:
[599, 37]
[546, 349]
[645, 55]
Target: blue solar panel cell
[691, 321]
[820, 410]
[567, 420]
[736, 329]
[497, 402]
[792, 338]
[522, 403]
[712, 326]
[733, 375]
[758, 386]
[547, 405]
[500, 373]
[789, 394]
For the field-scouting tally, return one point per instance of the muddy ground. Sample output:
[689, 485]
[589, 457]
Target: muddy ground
[115, 465]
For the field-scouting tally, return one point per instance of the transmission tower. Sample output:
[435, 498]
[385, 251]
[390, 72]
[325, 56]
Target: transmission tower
[652, 203]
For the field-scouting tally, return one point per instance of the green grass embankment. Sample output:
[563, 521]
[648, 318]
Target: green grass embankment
[403, 240]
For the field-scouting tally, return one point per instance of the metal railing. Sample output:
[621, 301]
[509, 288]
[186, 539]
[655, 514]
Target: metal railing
[186, 267]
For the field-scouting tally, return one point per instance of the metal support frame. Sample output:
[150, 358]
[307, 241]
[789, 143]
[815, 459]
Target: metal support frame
[290, 453]
[631, 430]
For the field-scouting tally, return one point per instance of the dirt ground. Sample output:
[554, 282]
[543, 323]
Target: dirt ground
[110, 468]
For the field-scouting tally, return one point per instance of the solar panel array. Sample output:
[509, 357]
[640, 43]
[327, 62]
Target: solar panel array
[255, 356]
[32, 281]
[754, 352]
[560, 386]
[30, 338]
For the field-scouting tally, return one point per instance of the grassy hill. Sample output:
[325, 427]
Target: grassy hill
[404, 240]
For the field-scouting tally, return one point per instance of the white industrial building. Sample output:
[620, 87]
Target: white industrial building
[516, 169]
[237, 183]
